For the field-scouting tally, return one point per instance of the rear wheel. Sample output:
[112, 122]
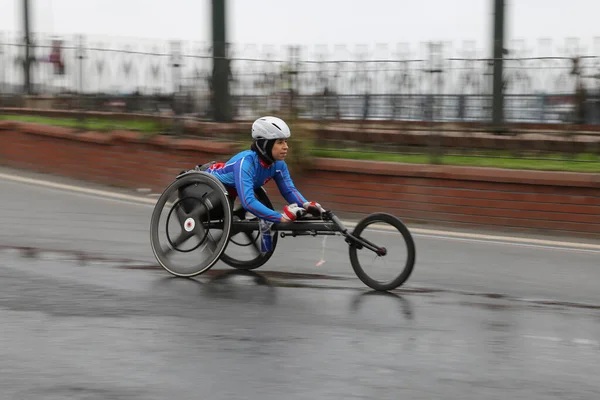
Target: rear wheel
[190, 225]
[243, 250]
[393, 265]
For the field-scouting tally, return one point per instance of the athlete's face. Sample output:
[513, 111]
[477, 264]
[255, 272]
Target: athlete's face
[280, 149]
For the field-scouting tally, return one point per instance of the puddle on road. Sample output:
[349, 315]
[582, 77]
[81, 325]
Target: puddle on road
[60, 255]
[498, 301]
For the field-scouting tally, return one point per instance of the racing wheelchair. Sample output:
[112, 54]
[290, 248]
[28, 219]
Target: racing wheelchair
[196, 223]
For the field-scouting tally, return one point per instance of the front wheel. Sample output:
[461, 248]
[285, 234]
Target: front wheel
[394, 264]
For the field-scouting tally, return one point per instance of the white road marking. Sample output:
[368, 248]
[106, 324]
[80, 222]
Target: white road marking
[79, 189]
[574, 341]
[495, 238]
[514, 241]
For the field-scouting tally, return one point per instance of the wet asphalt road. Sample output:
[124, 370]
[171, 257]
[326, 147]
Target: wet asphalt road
[87, 315]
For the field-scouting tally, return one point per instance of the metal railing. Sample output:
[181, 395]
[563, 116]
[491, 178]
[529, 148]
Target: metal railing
[433, 83]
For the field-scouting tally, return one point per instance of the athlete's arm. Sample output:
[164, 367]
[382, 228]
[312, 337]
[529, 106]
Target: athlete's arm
[243, 170]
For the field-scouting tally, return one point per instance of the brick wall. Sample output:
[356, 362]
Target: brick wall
[119, 158]
[544, 201]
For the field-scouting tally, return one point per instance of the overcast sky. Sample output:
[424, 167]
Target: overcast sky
[314, 22]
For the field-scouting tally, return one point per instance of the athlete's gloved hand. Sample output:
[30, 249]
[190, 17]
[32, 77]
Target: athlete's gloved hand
[292, 212]
[313, 208]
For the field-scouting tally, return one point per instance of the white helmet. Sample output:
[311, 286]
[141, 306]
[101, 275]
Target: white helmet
[270, 128]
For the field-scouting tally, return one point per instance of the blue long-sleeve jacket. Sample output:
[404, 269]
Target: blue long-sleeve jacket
[246, 171]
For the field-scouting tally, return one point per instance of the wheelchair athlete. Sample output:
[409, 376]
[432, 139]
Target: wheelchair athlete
[251, 169]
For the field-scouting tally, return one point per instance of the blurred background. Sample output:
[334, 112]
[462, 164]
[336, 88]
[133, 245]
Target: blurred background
[409, 61]
[428, 67]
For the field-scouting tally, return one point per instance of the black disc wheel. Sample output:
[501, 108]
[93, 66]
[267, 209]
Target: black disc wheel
[190, 225]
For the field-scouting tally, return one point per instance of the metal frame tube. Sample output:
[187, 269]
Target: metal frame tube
[296, 226]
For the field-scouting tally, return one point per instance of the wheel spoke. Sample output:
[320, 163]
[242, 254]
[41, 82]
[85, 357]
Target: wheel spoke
[181, 215]
[198, 211]
[211, 243]
[199, 231]
[211, 201]
[181, 239]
